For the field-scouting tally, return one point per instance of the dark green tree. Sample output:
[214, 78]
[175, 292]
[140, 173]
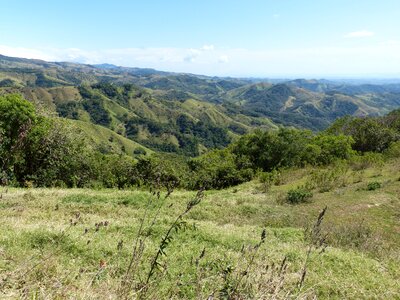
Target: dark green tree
[369, 134]
[17, 117]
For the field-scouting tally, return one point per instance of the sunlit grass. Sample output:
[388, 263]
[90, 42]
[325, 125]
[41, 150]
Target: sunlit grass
[42, 255]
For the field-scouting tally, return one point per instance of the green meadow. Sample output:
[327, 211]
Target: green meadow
[103, 244]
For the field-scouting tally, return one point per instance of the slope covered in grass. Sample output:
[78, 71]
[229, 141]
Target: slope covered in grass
[107, 140]
[77, 243]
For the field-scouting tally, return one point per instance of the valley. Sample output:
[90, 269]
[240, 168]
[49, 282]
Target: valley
[184, 113]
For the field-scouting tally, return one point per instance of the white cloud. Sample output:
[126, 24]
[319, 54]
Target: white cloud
[276, 16]
[391, 43]
[359, 34]
[194, 53]
[208, 47]
[223, 59]
[24, 52]
[338, 61]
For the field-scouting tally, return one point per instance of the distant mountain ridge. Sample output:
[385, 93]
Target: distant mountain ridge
[187, 113]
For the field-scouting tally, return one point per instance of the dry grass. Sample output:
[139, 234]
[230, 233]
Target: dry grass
[77, 244]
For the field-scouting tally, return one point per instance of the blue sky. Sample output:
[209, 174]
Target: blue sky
[262, 38]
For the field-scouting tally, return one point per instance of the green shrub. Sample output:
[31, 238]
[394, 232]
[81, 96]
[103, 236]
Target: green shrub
[268, 179]
[286, 147]
[393, 151]
[218, 169]
[268, 150]
[372, 186]
[56, 154]
[118, 171]
[139, 151]
[367, 160]
[369, 134]
[17, 117]
[163, 170]
[327, 179]
[298, 195]
[333, 148]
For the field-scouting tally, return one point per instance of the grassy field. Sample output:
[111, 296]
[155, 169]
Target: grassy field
[77, 244]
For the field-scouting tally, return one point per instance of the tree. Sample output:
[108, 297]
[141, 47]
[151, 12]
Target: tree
[17, 117]
[118, 171]
[273, 149]
[333, 147]
[218, 169]
[369, 134]
[56, 153]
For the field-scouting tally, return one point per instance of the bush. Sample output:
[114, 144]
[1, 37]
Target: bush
[367, 160]
[162, 171]
[292, 148]
[393, 151]
[372, 186]
[327, 179]
[17, 117]
[298, 195]
[118, 171]
[139, 151]
[218, 169]
[269, 150]
[55, 152]
[333, 148]
[369, 134]
[268, 179]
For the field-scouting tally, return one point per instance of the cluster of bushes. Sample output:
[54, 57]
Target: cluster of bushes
[266, 151]
[369, 134]
[218, 169]
[328, 178]
[361, 142]
[288, 147]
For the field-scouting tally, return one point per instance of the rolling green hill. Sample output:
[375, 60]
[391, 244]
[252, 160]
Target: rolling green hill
[291, 105]
[186, 113]
[108, 141]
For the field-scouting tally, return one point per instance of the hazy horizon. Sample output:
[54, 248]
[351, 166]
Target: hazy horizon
[260, 39]
[345, 78]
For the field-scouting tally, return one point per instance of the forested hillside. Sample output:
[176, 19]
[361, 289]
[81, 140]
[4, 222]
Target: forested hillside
[184, 113]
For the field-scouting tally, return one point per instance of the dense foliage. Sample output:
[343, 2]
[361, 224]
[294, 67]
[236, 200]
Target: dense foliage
[290, 148]
[369, 134]
[17, 118]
